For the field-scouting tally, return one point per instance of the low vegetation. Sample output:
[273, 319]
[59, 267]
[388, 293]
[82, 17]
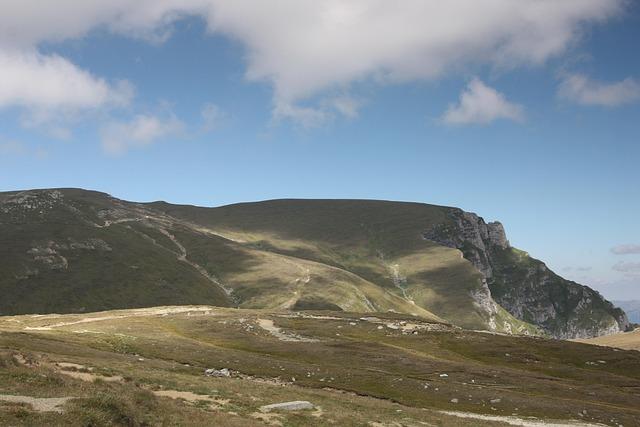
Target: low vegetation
[146, 367]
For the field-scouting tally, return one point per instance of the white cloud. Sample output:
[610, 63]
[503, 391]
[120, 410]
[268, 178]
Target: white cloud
[26, 23]
[45, 82]
[306, 47]
[142, 130]
[626, 249]
[480, 104]
[585, 91]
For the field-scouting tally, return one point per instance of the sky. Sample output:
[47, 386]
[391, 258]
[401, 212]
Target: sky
[526, 112]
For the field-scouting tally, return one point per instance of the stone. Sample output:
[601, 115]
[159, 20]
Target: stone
[295, 405]
[224, 372]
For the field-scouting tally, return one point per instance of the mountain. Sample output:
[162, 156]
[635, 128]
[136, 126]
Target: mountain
[71, 250]
[632, 308]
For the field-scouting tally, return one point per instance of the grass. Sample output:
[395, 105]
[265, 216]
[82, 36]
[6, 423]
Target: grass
[355, 371]
[628, 340]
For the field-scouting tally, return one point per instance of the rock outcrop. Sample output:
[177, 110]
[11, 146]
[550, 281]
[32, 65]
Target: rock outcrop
[524, 286]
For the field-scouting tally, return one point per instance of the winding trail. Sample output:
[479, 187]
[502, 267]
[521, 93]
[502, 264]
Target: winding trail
[158, 223]
[400, 281]
[136, 312]
[299, 282]
[269, 326]
[40, 404]
[182, 256]
[521, 422]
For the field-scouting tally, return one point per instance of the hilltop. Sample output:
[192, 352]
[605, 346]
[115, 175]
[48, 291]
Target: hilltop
[74, 251]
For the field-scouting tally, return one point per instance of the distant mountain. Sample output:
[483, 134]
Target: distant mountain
[71, 250]
[632, 308]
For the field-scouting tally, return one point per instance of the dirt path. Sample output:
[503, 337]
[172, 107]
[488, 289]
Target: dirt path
[400, 281]
[268, 325]
[214, 402]
[522, 422]
[141, 312]
[298, 282]
[182, 256]
[40, 404]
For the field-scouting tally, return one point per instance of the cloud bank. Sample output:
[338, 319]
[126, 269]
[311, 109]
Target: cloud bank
[305, 48]
[37, 81]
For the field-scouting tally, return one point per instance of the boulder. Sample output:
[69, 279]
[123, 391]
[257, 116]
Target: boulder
[288, 406]
[224, 372]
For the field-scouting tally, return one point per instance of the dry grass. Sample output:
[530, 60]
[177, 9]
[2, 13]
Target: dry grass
[627, 340]
[357, 371]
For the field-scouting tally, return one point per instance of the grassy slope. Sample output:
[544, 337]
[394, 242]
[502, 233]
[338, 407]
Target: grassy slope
[627, 340]
[394, 376]
[139, 264]
[130, 271]
[354, 255]
[363, 237]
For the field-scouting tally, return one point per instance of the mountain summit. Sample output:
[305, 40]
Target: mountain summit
[72, 250]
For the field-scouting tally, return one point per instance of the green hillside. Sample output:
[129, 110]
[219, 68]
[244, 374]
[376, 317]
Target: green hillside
[377, 241]
[72, 250]
[417, 250]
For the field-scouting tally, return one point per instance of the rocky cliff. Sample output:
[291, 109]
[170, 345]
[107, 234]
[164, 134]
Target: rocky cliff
[524, 286]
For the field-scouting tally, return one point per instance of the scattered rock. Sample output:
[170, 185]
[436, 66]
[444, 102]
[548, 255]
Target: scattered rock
[296, 405]
[224, 372]
[454, 400]
[495, 400]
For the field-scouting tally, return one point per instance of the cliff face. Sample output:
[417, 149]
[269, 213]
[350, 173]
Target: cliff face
[524, 286]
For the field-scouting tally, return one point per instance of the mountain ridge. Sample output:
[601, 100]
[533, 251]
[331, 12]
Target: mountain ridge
[355, 255]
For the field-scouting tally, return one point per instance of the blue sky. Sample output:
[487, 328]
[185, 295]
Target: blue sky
[524, 112]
